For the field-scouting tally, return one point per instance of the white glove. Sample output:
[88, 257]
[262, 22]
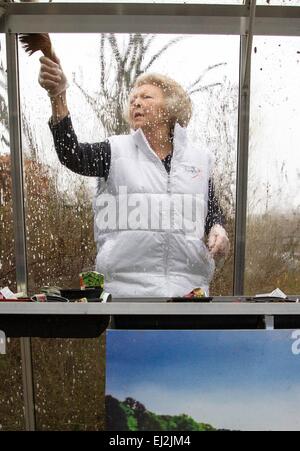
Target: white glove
[218, 242]
[52, 77]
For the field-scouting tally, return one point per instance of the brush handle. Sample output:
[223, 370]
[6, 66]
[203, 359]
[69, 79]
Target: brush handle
[49, 53]
[48, 49]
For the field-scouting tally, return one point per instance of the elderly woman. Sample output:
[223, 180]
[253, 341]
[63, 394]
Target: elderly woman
[155, 201]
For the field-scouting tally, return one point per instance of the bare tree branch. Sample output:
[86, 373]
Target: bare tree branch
[114, 45]
[128, 63]
[102, 64]
[149, 42]
[92, 101]
[204, 88]
[209, 68]
[129, 48]
[138, 57]
[30, 137]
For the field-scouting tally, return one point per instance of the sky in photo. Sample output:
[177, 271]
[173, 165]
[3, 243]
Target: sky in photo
[237, 380]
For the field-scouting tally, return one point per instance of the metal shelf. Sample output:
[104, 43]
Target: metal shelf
[90, 320]
[149, 306]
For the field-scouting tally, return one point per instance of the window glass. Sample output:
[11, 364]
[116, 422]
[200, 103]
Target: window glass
[60, 244]
[59, 214]
[59, 202]
[11, 391]
[69, 384]
[273, 229]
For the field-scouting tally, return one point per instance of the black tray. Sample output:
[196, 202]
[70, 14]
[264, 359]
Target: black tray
[76, 293]
[183, 299]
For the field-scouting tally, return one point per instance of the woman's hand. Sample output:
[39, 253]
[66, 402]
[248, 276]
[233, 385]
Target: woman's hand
[218, 242]
[52, 77]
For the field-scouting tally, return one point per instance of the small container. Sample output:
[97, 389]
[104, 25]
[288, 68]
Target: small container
[41, 297]
[91, 279]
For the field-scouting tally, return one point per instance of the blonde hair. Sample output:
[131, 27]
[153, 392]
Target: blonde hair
[178, 102]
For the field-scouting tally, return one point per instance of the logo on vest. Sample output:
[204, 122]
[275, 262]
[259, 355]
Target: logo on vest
[193, 171]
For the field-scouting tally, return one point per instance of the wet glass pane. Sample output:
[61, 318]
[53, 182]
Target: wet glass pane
[11, 391]
[69, 381]
[59, 213]
[60, 244]
[7, 256]
[273, 229]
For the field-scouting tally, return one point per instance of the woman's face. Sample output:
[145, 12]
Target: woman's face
[147, 107]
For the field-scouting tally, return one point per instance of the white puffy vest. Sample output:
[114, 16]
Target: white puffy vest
[149, 224]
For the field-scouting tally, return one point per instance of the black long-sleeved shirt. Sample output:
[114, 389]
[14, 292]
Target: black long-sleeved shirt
[94, 160]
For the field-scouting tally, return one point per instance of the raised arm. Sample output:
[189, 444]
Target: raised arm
[53, 79]
[59, 107]
[82, 158]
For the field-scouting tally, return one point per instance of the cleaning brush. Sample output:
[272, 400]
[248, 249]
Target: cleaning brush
[32, 42]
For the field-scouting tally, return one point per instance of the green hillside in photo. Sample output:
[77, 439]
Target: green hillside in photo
[131, 415]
